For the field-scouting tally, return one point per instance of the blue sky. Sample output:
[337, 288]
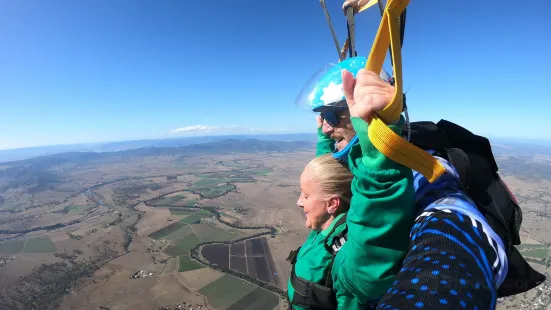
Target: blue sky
[104, 70]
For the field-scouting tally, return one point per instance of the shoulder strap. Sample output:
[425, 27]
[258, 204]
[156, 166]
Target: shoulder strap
[468, 141]
[336, 244]
[292, 258]
[460, 160]
[339, 239]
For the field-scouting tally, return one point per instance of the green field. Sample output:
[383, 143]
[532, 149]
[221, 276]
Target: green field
[205, 212]
[187, 243]
[208, 233]
[259, 171]
[259, 299]
[39, 245]
[12, 246]
[239, 179]
[196, 217]
[178, 200]
[190, 202]
[208, 182]
[72, 210]
[226, 291]
[31, 245]
[223, 177]
[175, 251]
[521, 247]
[212, 192]
[187, 264]
[161, 233]
[181, 211]
[180, 233]
[214, 175]
[537, 253]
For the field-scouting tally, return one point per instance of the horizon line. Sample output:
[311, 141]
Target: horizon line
[154, 139]
[489, 137]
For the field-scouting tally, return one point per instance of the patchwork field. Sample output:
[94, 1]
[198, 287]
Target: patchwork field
[125, 241]
[187, 233]
[229, 292]
[75, 209]
[28, 245]
[178, 199]
[252, 257]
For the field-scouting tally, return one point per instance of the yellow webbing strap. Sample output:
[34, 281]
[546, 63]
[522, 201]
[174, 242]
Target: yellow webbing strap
[382, 137]
[366, 6]
[358, 5]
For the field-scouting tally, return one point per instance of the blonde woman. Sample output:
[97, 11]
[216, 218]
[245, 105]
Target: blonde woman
[325, 199]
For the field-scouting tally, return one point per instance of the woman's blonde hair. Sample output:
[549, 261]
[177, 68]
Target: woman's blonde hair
[334, 178]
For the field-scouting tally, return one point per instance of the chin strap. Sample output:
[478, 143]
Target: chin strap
[342, 155]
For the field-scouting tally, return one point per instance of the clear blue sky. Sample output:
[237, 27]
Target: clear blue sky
[104, 70]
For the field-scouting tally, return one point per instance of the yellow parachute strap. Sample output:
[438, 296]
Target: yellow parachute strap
[367, 5]
[358, 5]
[382, 137]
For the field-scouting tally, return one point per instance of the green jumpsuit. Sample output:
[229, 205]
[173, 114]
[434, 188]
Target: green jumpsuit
[379, 221]
[312, 262]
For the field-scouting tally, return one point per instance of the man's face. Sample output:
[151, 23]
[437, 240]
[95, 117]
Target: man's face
[343, 132]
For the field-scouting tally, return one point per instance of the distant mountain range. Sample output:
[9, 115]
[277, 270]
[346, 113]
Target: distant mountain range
[520, 147]
[30, 152]
[499, 145]
[38, 173]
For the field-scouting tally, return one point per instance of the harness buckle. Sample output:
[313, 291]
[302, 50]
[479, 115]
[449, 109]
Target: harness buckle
[338, 243]
[292, 258]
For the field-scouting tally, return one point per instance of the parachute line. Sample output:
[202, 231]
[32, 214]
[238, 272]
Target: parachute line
[333, 33]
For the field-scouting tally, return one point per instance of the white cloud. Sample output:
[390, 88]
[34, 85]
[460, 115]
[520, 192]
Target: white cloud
[231, 129]
[202, 128]
[4, 145]
[206, 128]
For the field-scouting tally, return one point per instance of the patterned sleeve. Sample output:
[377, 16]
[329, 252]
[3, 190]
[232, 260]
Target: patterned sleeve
[455, 260]
[449, 264]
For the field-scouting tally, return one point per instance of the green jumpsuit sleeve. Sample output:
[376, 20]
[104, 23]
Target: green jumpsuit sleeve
[379, 221]
[325, 144]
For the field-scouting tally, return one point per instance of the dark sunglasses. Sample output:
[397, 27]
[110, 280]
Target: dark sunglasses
[331, 116]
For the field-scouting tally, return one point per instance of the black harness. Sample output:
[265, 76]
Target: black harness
[312, 295]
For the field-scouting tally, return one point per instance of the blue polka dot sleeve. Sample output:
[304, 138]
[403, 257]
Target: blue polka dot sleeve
[451, 264]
